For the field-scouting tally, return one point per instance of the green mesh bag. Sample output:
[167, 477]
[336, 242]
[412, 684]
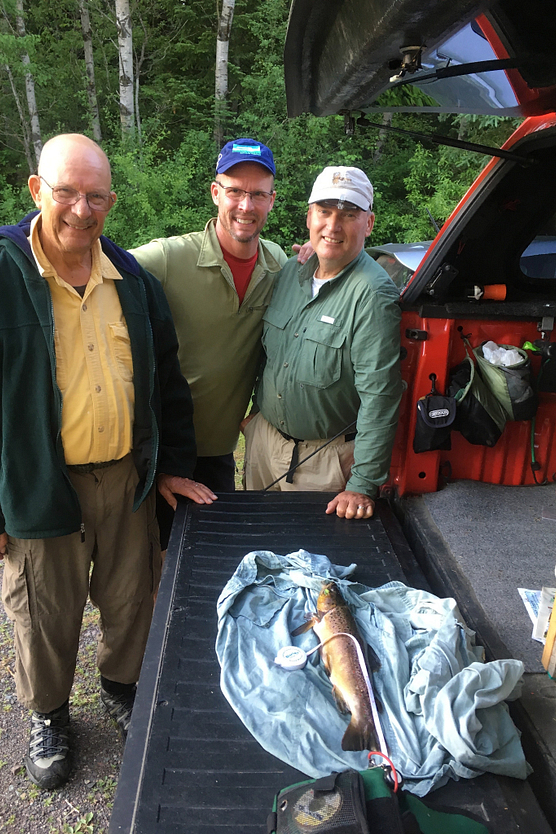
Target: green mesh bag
[510, 385]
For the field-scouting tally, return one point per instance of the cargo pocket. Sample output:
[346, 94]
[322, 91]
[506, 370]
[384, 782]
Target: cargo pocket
[320, 362]
[16, 594]
[122, 350]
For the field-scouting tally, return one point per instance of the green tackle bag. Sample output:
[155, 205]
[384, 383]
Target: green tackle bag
[511, 385]
[480, 417]
[361, 802]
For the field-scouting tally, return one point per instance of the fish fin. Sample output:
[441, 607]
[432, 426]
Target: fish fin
[304, 627]
[340, 703]
[358, 737]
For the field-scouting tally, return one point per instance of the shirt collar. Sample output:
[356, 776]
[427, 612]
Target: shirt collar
[308, 269]
[211, 251]
[102, 268]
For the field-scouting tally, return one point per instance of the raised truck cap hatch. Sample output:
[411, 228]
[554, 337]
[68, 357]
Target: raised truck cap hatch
[468, 57]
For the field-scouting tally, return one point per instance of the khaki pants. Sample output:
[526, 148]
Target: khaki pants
[47, 581]
[268, 455]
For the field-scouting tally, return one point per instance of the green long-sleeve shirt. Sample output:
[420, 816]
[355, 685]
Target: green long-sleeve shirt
[219, 338]
[333, 359]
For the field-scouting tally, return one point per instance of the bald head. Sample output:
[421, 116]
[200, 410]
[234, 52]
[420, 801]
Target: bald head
[74, 148]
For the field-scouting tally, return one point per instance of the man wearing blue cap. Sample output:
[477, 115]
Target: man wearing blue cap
[218, 283]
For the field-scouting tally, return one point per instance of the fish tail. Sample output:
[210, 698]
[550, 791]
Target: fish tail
[360, 737]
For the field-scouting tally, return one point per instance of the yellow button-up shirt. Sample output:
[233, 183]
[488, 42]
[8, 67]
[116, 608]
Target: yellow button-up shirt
[94, 368]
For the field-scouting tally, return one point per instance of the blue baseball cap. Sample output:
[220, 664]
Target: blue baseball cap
[244, 150]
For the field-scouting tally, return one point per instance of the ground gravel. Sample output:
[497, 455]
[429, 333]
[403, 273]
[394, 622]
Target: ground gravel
[82, 805]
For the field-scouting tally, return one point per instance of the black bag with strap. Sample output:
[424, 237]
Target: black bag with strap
[435, 419]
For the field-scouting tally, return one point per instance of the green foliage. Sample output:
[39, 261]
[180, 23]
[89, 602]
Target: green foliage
[161, 193]
[15, 202]
[163, 183]
[84, 825]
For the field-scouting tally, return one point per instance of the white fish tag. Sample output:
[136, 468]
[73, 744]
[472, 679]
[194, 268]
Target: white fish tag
[327, 319]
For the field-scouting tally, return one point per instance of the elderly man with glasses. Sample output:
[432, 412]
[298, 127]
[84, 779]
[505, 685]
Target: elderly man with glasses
[218, 283]
[94, 407]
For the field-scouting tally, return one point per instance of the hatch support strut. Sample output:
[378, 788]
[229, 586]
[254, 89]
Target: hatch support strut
[440, 140]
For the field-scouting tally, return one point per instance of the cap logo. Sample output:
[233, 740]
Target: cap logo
[254, 150]
[338, 177]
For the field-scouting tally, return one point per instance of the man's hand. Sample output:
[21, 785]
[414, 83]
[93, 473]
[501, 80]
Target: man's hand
[351, 505]
[171, 485]
[304, 251]
[3, 545]
[245, 422]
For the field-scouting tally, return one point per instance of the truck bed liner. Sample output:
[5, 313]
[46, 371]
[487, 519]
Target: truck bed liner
[190, 766]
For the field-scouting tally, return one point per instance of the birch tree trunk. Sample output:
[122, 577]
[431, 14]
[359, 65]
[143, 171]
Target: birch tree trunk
[23, 121]
[90, 69]
[382, 134]
[125, 49]
[221, 70]
[36, 140]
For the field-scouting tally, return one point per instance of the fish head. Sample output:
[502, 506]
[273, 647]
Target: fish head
[329, 598]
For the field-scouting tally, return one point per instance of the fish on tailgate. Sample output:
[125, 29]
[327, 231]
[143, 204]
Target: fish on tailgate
[342, 666]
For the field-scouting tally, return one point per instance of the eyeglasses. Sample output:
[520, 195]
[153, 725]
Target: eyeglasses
[96, 200]
[239, 194]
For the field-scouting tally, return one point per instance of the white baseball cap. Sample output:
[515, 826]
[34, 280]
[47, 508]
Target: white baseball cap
[343, 185]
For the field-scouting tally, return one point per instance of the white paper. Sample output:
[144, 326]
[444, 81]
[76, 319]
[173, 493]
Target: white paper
[545, 607]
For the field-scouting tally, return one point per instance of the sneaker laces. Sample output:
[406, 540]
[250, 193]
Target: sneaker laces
[49, 740]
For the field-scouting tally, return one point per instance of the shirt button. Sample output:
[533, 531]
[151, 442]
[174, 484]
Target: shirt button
[296, 335]
[281, 422]
[279, 396]
[101, 428]
[286, 364]
[84, 308]
[90, 347]
[98, 389]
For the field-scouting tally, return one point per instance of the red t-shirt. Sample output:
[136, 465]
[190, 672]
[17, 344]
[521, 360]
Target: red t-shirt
[242, 269]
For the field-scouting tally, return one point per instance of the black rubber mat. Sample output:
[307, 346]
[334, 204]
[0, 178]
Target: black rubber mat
[190, 766]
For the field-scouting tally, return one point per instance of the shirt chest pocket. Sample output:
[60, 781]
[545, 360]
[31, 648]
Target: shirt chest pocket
[121, 346]
[275, 322]
[320, 360]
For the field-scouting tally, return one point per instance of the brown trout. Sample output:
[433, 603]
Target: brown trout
[342, 666]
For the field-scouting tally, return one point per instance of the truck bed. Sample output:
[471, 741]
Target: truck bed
[190, 766]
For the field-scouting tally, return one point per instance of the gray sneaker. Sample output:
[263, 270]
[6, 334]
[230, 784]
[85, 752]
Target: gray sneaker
[48, 762]
[119, 707]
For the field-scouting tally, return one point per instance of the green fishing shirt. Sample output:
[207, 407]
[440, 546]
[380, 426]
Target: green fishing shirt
[334, 359]
[219, 338]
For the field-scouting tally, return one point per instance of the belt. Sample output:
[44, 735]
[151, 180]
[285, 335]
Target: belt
[295, 451]
[85, 468]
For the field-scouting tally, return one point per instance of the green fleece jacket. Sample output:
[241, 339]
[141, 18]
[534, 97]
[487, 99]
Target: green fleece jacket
[37, 499]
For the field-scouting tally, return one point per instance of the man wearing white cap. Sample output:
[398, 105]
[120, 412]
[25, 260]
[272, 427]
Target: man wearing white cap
[332, 343]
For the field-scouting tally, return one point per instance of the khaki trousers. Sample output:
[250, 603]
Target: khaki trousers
[268, 455]
[47, 581]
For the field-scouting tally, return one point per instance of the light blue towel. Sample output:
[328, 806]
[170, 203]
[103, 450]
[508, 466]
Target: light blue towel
[443, 711]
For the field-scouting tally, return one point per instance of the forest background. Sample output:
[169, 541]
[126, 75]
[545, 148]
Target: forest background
[140, 78]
